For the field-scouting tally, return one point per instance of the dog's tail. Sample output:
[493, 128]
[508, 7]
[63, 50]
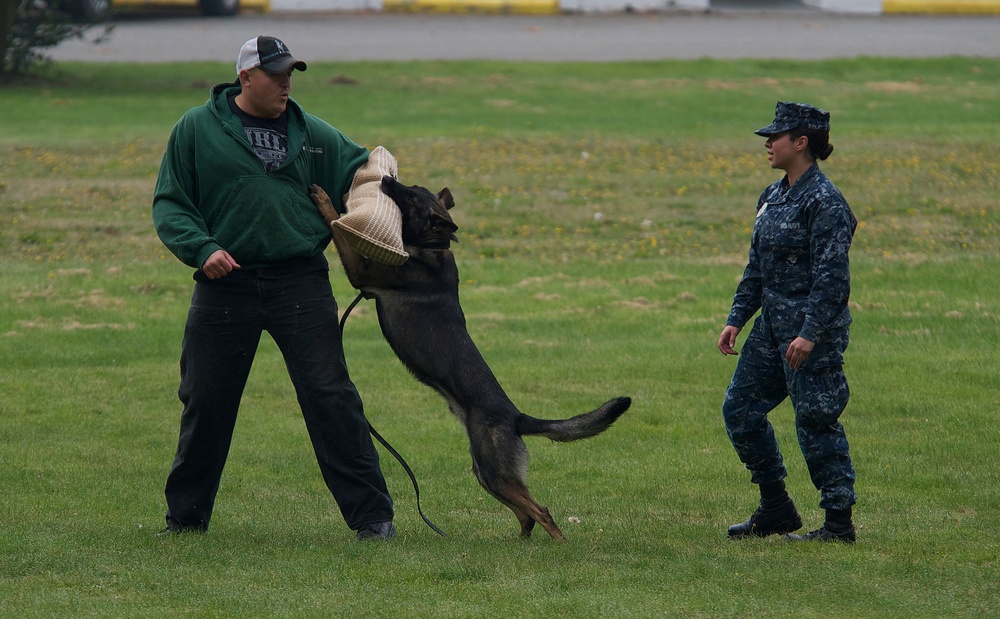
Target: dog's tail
[575, 428]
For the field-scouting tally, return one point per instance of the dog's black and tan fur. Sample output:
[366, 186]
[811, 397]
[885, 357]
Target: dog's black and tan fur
[421, 318]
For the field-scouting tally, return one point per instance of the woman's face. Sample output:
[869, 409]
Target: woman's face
[782, 151]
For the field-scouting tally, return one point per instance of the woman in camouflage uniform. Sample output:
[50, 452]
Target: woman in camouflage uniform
[798, 276]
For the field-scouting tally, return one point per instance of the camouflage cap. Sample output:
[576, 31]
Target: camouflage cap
[788, 116]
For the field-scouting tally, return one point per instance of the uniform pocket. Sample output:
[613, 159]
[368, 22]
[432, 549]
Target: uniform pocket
[790, 260]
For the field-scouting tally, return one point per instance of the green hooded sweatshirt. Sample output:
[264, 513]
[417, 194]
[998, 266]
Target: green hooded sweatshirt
[212, 191]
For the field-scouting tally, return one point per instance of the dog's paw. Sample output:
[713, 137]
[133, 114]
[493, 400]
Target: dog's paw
[323, 203]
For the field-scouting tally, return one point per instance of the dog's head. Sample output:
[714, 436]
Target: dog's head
[426, 220]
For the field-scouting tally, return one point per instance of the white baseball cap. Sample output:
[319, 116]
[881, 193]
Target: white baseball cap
[268, 53]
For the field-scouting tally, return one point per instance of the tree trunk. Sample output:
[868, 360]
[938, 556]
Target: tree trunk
[8, 13]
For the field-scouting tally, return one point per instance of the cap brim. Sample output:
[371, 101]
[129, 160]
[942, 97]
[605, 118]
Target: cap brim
[280, 65]
[771, 129]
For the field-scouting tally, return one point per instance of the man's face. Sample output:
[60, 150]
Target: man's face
[266, 93]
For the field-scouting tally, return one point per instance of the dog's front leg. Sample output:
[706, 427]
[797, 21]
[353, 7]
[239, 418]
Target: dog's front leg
[323, 202]
[355, 265]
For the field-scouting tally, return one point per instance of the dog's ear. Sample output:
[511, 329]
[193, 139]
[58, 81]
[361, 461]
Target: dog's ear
[445, 198]
[439, 217]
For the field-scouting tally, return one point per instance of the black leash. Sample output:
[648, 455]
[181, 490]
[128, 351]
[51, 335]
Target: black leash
[385, 443]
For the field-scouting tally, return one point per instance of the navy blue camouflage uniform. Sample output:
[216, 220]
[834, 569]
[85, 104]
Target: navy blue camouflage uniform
[798, 276]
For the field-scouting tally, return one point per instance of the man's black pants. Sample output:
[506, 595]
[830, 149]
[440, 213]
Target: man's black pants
[294, 303]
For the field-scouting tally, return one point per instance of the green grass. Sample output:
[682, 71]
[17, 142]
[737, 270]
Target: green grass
[569, 308]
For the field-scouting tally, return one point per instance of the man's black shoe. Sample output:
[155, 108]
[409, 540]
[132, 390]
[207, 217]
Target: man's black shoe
[176, 529]
[768, 521]
[377, 531]
[824, 534]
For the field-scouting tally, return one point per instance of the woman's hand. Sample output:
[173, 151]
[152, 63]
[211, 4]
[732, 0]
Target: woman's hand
[727, 339]
[798, 352]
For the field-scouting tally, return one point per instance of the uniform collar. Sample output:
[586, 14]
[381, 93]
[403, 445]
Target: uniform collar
[806, 180]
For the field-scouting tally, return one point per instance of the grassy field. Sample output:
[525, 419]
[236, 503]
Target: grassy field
[604, 214]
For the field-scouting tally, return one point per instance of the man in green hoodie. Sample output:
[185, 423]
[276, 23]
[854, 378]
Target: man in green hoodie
[231, 201]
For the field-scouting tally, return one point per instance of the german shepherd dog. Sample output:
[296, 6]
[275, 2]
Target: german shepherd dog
[421, 318]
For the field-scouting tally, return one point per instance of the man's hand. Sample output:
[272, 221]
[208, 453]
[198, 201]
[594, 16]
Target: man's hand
[219, 264]
[798, 352]
[323, 203]
[727, 339]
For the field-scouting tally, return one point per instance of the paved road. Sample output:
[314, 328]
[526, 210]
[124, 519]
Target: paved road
[802, 33]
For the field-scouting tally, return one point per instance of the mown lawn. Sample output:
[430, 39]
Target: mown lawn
[604, 213]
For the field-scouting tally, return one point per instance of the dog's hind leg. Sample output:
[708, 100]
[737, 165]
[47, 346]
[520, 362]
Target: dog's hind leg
[520, 498]
[500, 463]
[517, 498]
[527, 522]
[514, 494]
